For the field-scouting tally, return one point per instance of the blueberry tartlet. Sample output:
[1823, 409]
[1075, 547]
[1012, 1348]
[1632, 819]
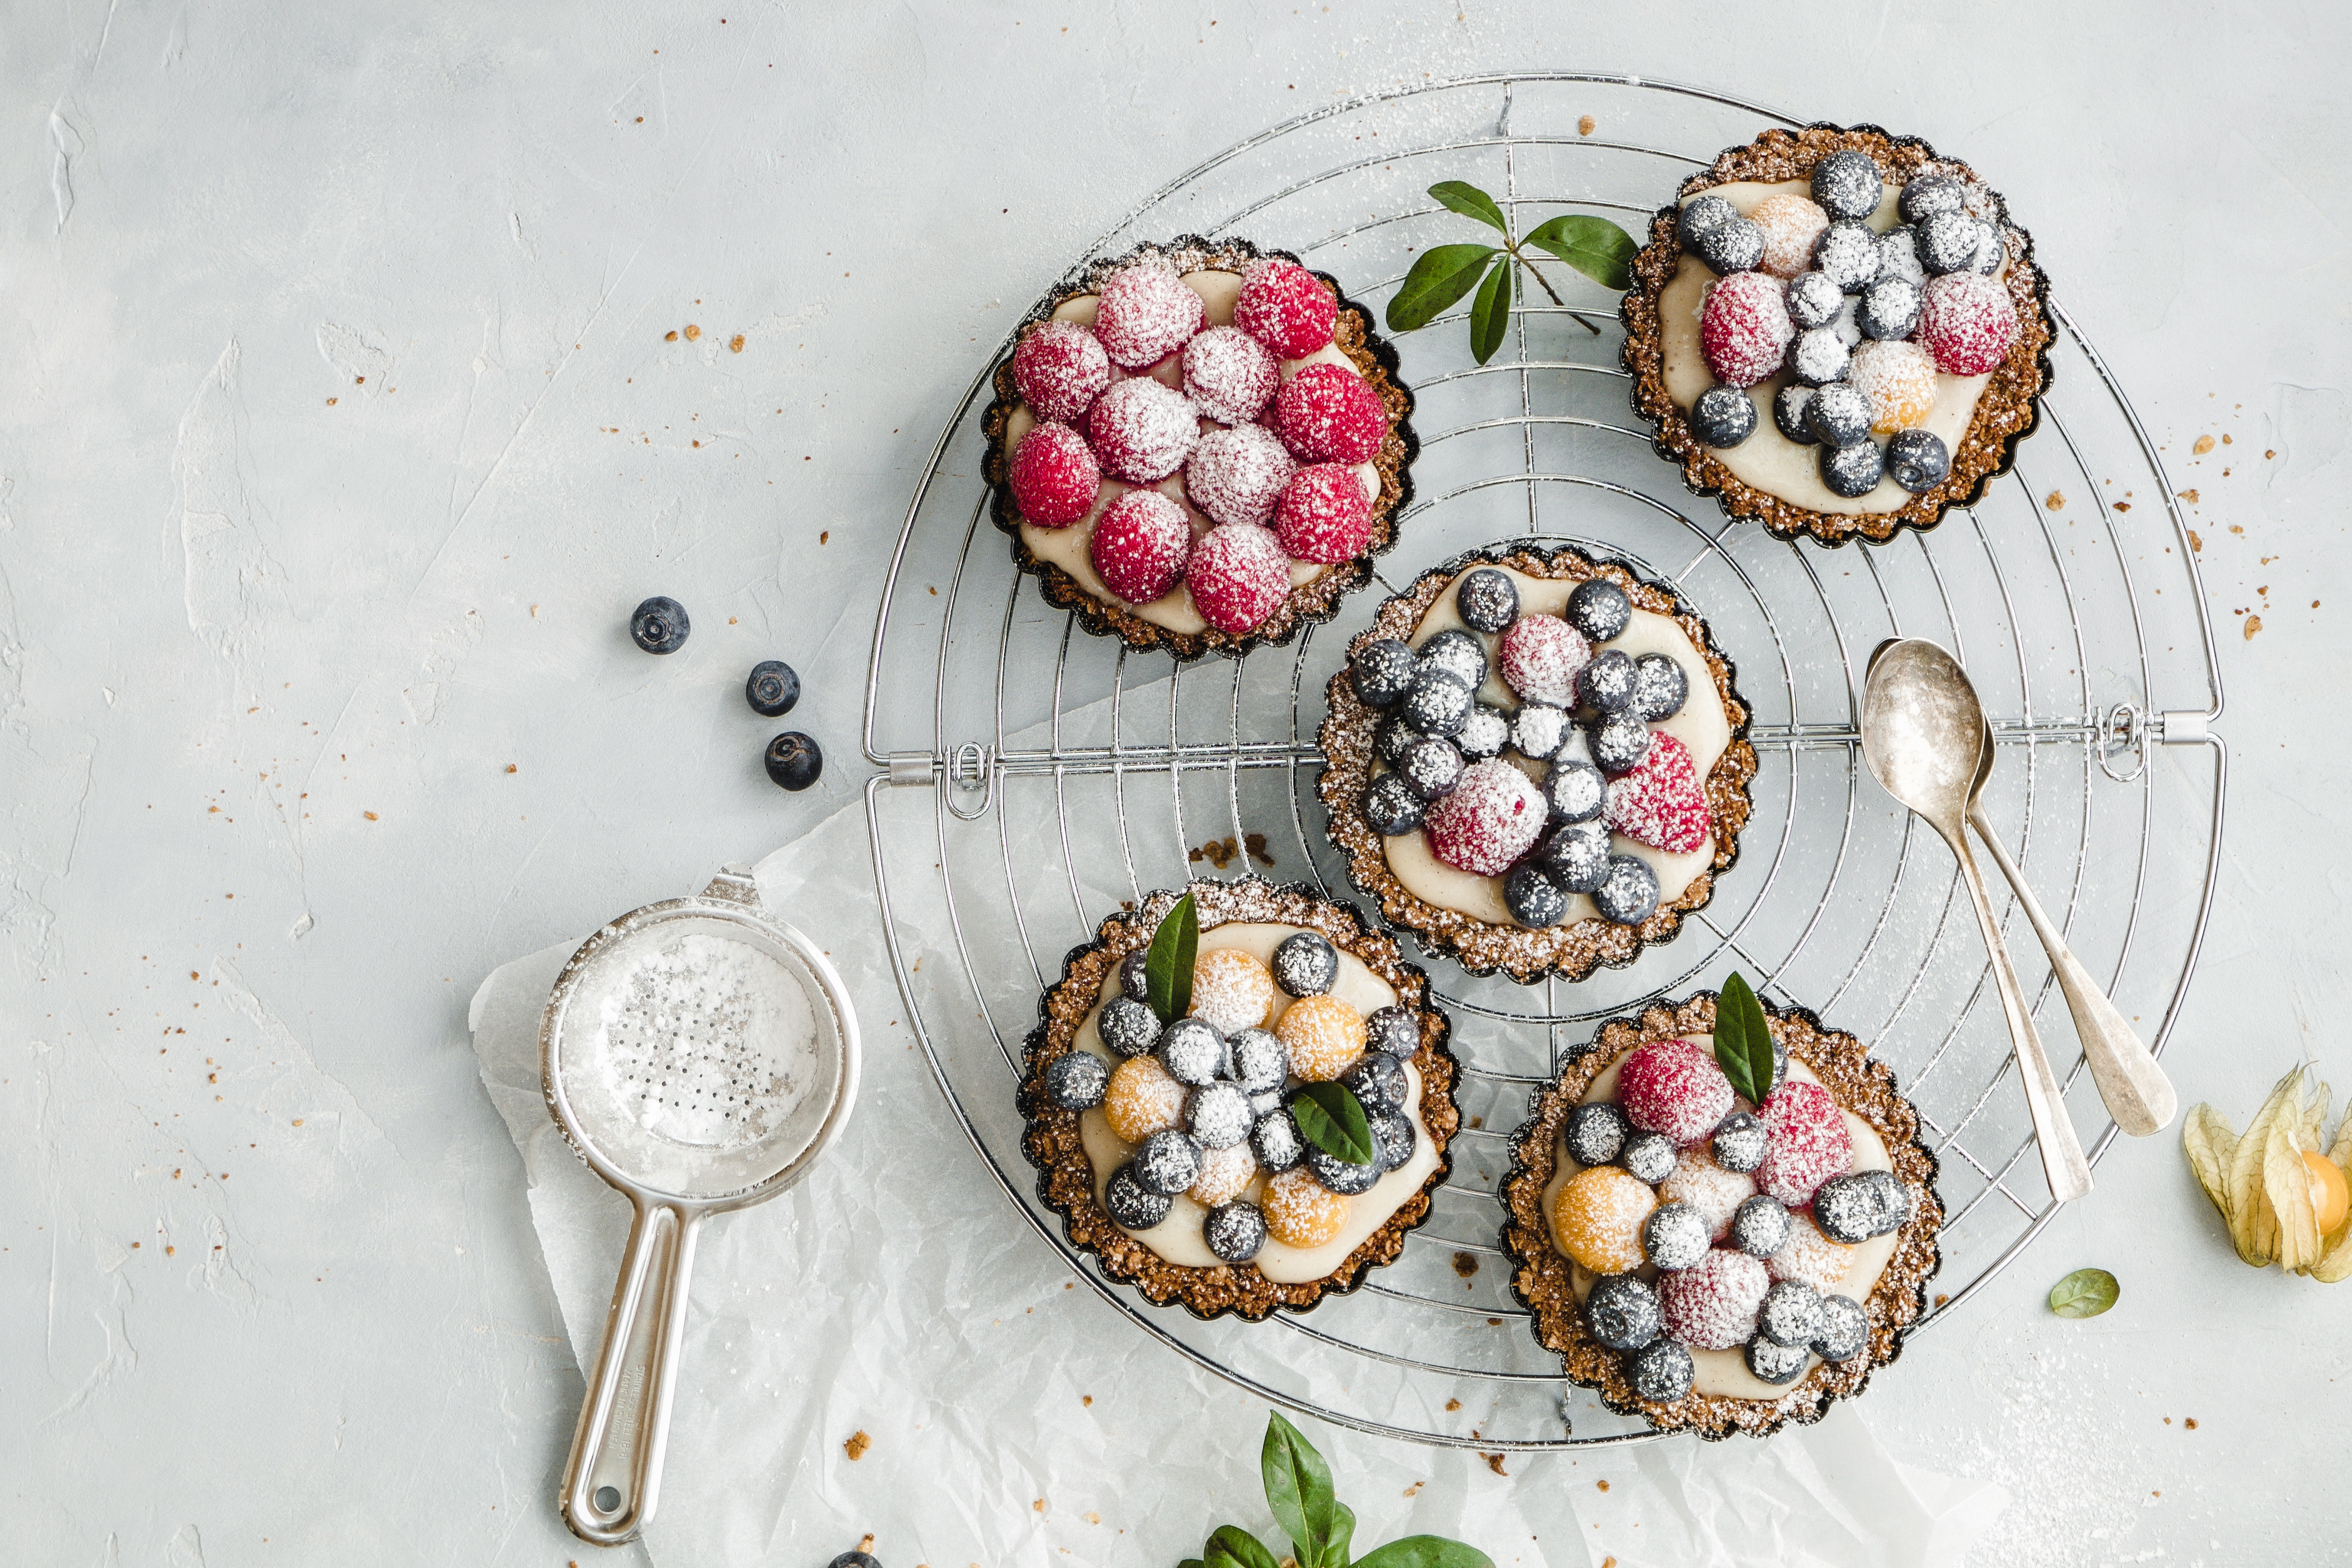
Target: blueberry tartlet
[1199, 446]
[1188, 1153]
[1536, 761]
[1709, 1262]
[1838, 333]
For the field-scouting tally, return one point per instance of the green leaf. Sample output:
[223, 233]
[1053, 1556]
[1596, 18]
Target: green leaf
[1743, 1041]
[1343, 1535]
[2084, 1293]
[1298, 1488]
[1425, 1551]
[1470, 201]
[1490, 314]
[1167, 969]
[1333, 1121]
[1246, 1550]
[1221, 1560]
[1593, 246]
[1191, 1563]
[1438, 278]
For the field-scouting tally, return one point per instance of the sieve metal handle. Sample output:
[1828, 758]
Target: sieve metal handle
[613, 1478]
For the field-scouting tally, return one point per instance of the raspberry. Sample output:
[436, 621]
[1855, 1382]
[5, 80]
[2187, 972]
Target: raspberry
[1673, 1087]
[1541, 657]
[1968, 321]
[1660, 802]
[1596, 1218]
[1715, 1193]
[1808, 1142]
[1141, 1099]
[1143, 431]
[1238, 475]
[1139, 545]
[1286, 307]
[1301, 1211]
[1232, 990]
[1145, 313]
[1324, 516]
[1899, 379]
[1809, 1257]
[1791, 225]
[1713, 1307]
[1324, 1037]
[1744, 328]
[1060, 368]
[1055, 477]
[1327, 414]
[1493, 817]
[1230, 375]
[1238, 574]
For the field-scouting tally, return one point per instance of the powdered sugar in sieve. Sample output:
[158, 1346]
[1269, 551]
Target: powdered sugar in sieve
[708, 1042]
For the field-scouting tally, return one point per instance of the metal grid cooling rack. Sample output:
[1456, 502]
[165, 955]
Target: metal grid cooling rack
[1056, 776]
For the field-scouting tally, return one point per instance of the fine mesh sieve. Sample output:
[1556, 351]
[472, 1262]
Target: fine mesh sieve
[700, 1055]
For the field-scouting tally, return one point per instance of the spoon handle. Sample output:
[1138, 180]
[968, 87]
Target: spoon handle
[2138, 1096]
[2062, 1163]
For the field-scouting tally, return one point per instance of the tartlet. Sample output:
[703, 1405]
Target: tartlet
[1467, 915]
[1766, 475]
[1079, 1155]
[1246, 482]
[1726, 1396]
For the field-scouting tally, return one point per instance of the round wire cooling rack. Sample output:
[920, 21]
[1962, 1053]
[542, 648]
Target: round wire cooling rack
[1055, 777]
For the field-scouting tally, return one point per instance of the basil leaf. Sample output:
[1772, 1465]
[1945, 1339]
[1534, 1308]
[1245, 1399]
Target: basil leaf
[1490, 314]
[1470, 201]
[2084, 1293]
[1425, 1551]
[1743, 1041]
[1167, 969]
[1343, 1534]
[1221, 1560]
[1246, 1550]
[1333, 1121]
[1439, 277]
[1593, 246]
[1298, 1488]
[1191, 1563]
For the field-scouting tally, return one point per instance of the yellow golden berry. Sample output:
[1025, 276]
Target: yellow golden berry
[1899, 380]
[1141, 1099]
[1301, 1211]
[1324, 1035]
[1596, 1218]
[1225, 1175]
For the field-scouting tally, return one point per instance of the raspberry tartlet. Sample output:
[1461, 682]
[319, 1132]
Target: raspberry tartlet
[1838, 333]
[1248, 392]
[1183, 1151]
[1712, 1264]
[1536, 761]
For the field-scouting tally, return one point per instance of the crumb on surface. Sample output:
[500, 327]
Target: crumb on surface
[2204, 445]
[2055, 501]
[1586, 126]
[858, 1444]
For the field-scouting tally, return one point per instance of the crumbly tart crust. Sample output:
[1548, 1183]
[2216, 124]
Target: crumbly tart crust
[2006, 411]
[1541, 1276]
[1568, 952]
[1373, 358]
[1066, 1176]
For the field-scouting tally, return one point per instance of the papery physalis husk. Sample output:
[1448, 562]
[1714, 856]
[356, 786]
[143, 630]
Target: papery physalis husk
[2208, 1141]
[2254, 1223]
[2287, 1180]
[2336, 1262]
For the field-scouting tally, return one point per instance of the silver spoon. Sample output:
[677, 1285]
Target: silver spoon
[2138, 1096]
[1923, 734]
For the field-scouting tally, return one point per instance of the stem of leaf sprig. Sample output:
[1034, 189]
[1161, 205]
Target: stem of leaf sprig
[1320, 1527]
[1594, 247]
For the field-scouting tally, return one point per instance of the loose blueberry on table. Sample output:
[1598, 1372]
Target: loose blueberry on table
[771, 689]
[794, 760]
[659, 625]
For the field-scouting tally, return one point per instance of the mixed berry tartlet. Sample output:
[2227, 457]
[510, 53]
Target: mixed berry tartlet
[1710, 1263]
[1199, 446]
[1838, 333]
[1536, 761]
[1186, 1153]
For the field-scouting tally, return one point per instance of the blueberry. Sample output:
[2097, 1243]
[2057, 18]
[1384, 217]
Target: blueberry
[1391, 806]
[1660, 686]
[1619, 741]
[1217, 1116]
[1484, 735]
[1898, 255]
[1133, 1204]
[1305, 964]
[771, 689]
[1788, 413]
[1276, 1141]
[1891, 310]
[1075, 1080]
[1129, 1026]
[1839, 415]
[1392, 737]
[1576, 858]
[1377, 1079]
[1790, 1315]
[1264, 1104]
[1259, 1060]
[1534, 899]
[1845, 1329]
[1575, 791]
[1342, 1176]
[659, 625]
[1606, 681]
[1848, 254]
[1648, 1156]
[1814, 298]
[1431, 767]
[793, 760]
[1946, 243]
[1738, 1142]
[1818, 357]
[1458, 653]
[1537, 729]
[1439, 703]
[854, 1559]
[1396, 1030]
[1629, 895]
[1846, 184]
[1759, 1226]
[1383, 673]
[1623, 1312]
[1486, 600]
[1775, 1364]
[1193, 1051]
[1853, 1208]
[1917, 460]
[1166, 1163]
[1234, 1231]
[1853, 470]
[1674, 1236]
[1135, 976]
[1989, 252]
[1599, 608]
[1595, 1133]
[1928, 195]
[1661, 1370]
[1735, 245]
[1394, 1139]
[1701, 213]
[1722, 416]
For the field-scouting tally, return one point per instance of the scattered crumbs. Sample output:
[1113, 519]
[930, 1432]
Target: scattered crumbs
[2191, 1422]
[2315, 604]
[1091, 1517]
[331, 401]
[2228, 441]
[2235, 528]
[511, 767]
[866, 1544]
[1584, 127]
[1414, 1489]
[2194, 542]
[2204, 445]
[1454, 1404]
[1039, 1505]
[2167, 1421]
[2055, 501]
[2189, 496]
[2123, 506]
[823, 536]
[1602, 1485]
[1609, 1563]
[1477, 1121]
[692, 331]
[2253, 625]
[935, 592]
[534, 612]
[857, 1444]
[369, 815]
[735, 344]
[1941, 1300]
[1494, 1463]
[2267, 456]
[1085, 1399]
[670, 336]
[1466, 1264]
[1493, 1322]
[731, 620]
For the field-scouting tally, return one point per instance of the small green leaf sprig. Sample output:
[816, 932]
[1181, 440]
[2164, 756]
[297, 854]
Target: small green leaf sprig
[1593, 246]
[2084, 1293]
[1321, 1528]
[1743, 1041]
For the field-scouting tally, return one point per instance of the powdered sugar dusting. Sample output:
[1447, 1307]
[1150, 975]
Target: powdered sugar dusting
[1540, 656]
[1143, 430]
[1146, 312]
[1238, 475]
[1492, 818]
[1713, 1306]
[1230, 375]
